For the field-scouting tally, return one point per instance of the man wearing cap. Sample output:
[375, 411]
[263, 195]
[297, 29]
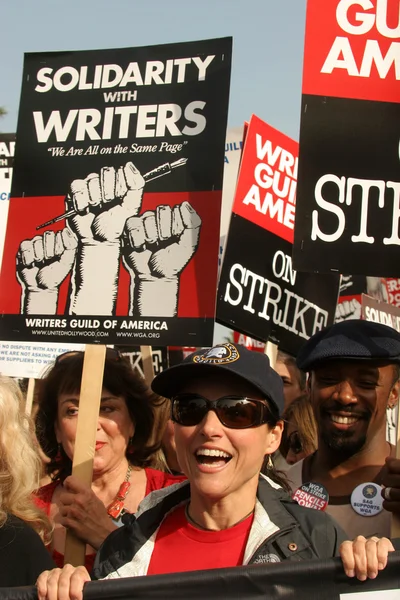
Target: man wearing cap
[353, 371]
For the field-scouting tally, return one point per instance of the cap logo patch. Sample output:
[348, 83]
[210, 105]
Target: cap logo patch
[219, 355]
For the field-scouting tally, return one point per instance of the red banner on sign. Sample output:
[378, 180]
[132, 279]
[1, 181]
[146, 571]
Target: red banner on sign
[266, 190]
[352, 49]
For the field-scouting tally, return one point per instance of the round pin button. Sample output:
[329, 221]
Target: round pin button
[312, 495]
[366, 499]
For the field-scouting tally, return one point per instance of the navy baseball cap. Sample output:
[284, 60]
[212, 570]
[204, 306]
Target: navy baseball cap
[252, 367]
[351, 340]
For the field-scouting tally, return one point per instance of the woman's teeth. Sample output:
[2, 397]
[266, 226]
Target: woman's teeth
[210, 452]
[211, 457]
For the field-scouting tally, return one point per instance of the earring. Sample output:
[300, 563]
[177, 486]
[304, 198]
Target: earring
[270, 464]
[131, 447]
[58, 457]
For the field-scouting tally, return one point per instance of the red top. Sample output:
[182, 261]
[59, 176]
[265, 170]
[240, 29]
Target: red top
[181, 547]
[156, 480]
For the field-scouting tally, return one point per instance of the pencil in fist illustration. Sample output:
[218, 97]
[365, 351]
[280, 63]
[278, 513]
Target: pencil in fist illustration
[104, 201]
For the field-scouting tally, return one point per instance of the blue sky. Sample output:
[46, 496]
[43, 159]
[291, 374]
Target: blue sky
[268, 44]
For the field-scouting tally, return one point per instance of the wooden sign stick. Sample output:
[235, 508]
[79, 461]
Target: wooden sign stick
[29, 396]
[161, 414]
[147, 361]
[395, 523]
[271, 350]
[85, 442]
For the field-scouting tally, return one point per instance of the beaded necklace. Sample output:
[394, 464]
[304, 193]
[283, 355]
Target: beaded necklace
[116, 507]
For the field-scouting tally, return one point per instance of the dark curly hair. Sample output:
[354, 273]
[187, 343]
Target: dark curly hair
[64, 377]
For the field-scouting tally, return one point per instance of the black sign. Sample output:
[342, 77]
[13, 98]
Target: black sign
[159, 355]
[348, 195]
[113, 228]
[347, 211]
[7, 147]
[261, 295]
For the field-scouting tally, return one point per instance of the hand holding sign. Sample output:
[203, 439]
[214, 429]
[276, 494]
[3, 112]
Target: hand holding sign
[42, 265]
[160, 245]
[364, 558]
[83, 513]
[104, 202]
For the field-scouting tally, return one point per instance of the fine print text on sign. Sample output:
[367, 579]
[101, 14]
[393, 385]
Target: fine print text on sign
[348, 202]
[259, 293]
[118, 177]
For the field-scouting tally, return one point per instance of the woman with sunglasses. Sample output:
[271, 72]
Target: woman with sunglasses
[121, 475]
[226, 405]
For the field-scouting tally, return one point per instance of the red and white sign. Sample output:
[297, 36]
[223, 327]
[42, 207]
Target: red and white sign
[393, 288]
[352, 49]
[248, 342]
[266, 189]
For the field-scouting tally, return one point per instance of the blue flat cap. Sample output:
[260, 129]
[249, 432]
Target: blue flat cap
[350, 340]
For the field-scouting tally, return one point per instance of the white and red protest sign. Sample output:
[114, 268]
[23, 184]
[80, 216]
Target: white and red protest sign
[260, 294]
[393, 289]
[266, 189]
[248, 342]
[348, 200]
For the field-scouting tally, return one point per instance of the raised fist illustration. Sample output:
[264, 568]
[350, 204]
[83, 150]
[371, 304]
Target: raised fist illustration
[45, 261]
[42, 265]
[162, 242]
[158, 246]
[104, 202]
[349, 309]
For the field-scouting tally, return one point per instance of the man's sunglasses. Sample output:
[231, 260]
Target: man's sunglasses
[235, 412]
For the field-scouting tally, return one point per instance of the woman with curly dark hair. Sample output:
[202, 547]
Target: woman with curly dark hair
[121, 473]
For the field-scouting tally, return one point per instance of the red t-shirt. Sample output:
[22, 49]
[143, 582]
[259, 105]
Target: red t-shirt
[181, 547]
[156, 480]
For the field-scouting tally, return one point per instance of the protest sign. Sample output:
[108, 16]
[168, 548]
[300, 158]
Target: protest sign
[98, 259]
[380, 312]
[348, 197]
[259, 293]
[7, 146]
[26, 359]
[159, 358]
[248, 342]
[273, 580]
[393, 289]
[233, 153]
[351, 289]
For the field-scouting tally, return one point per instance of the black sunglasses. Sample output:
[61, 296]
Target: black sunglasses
[111, 354]
[235, 412]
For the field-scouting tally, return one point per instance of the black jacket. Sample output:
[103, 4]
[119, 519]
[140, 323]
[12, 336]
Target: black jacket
[281, 530]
